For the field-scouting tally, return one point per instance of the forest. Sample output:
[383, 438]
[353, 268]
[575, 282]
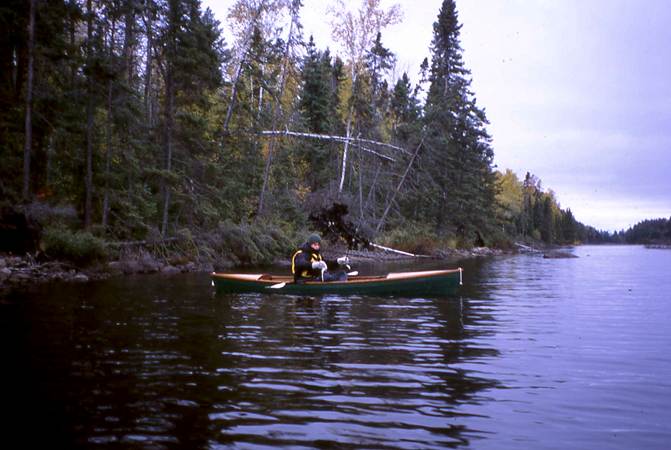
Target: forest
[651, 231]
[126, 120]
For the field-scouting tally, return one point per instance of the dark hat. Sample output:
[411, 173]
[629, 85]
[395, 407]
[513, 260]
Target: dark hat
[314, 238]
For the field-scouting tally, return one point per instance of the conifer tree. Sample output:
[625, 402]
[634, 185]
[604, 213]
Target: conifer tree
[458, 190]
[318, 111]
[191, 61]
[405, 110]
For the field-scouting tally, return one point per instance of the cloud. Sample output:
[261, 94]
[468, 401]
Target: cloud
[574, 98]
[610, 213]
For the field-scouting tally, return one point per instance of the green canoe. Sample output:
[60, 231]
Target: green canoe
[432, 282]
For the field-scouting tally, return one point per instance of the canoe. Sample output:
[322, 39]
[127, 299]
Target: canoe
[432, 282]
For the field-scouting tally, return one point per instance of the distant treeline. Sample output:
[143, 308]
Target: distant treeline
[653, 231]
[525, 210]
[140, 118]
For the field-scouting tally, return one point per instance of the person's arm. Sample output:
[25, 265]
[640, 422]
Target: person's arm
[339, 263]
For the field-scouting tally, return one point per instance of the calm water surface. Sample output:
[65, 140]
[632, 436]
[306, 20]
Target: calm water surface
[532, 353]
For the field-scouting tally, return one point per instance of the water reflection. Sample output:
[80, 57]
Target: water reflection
[551, 353]
[151, 363]
[348, 371]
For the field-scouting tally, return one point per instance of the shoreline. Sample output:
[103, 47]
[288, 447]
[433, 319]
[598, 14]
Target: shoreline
[19, 272]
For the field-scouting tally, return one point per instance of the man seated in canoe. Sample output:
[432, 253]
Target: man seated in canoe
[307, 263]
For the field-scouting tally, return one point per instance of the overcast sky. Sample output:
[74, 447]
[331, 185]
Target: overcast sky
[577, 92]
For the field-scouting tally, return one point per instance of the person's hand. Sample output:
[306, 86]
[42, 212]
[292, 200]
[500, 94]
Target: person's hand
[343, 260]
[319, 265]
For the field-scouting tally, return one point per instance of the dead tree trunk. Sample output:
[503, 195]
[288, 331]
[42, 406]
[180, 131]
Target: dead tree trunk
[148, 17]
[108, 131]
[398, 188]
[345, 149]
[129, 37]
[88, 179]
[169, 113]
[108, 156]
[167, 143]
[28, 144]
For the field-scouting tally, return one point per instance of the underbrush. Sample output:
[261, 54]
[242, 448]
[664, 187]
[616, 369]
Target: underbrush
[79, 247]
[418, 239]
[248, 244]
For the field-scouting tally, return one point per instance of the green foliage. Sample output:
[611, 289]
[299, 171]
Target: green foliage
[404, 110]
[317, 102]
[79, 247]
[525, 210]
[509, 197]
[501, 239]
[655, 231]
[457, 186]
[249, 244]
[417, 238]
[162, 158]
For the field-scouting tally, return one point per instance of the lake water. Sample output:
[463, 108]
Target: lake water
[532, 353]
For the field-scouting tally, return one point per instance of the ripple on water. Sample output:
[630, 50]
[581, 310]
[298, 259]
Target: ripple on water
[532, 353]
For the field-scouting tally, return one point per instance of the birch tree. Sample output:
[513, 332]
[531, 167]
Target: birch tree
[276, 108]
[244, 17]
[356, 31]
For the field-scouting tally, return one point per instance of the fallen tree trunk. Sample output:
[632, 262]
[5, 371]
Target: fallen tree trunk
[327, 137]
[400, 252]
[144, 242]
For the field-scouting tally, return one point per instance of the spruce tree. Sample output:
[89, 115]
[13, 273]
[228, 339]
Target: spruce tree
[317, 106]
[315, 101]
[404, 110]
[459, 185]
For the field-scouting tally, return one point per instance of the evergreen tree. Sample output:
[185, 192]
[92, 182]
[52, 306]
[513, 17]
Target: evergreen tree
[191, 62]
[459, 186]
[316, 101]
[404, 110]
[651, 231]
[379, 60]
[568, 227]
[547, 225]
[317, 106]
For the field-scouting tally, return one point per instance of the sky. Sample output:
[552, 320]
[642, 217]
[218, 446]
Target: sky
[577, 92]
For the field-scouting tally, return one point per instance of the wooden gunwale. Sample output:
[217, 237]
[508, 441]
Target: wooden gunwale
[393, 276]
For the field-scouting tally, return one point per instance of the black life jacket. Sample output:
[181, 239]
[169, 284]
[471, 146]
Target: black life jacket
[314, 256]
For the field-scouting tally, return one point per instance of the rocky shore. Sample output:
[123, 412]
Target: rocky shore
[18, 272]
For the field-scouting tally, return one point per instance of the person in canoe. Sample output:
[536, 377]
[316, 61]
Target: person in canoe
[307, 263]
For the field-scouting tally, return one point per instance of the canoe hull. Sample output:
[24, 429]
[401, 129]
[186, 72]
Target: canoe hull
[436, 282]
